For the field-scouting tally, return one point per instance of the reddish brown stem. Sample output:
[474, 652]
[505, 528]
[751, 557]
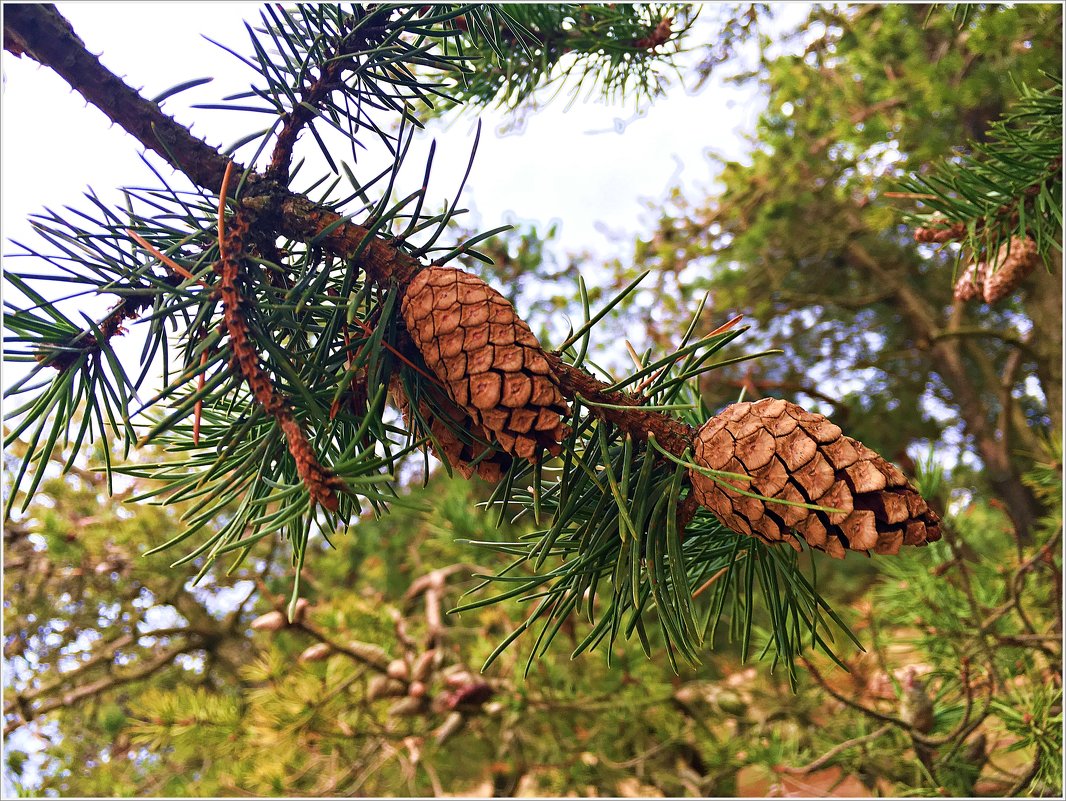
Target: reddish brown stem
[321, 483]
[672, 434]
[313, 94]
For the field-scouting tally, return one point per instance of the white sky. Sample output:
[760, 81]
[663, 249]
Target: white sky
[588, 167]
[567, 165]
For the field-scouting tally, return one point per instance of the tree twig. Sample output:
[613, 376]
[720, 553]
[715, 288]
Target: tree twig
[115, 680]
[828, 756]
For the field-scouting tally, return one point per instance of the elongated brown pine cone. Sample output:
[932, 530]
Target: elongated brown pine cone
[795, 455]
[449, 446]
[487, 360]
[970, 284]
[1011, 268]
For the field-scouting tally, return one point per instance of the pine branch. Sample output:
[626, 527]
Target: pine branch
[634, 495]
[1010, 186]
[336, 63]
[670, 432]
[837, 750]
[86, 344]
[293, 215]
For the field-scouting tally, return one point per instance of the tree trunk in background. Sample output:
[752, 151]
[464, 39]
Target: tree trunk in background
[1045, 302]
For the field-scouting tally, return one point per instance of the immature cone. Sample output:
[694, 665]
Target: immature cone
[795, 455]
[487, 360]
[1015, 260]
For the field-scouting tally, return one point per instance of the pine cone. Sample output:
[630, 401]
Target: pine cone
[449, 446]
[971, 283]
[1011, 268]
[796, 455]
[487, 360]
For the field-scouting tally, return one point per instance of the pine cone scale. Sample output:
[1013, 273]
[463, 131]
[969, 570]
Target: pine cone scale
[450, 447]
[863, 476]
[816, 477]
[758, 449]
[771, 478]
[797, 456]
[796, 449]
[840, 454]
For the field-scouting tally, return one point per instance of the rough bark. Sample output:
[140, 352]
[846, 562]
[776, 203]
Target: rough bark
[1045, 301]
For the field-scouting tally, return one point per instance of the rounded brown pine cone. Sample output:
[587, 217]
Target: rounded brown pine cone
[487, 360]
[795, 455]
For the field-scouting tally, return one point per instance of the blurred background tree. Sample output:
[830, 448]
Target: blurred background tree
[123, 680]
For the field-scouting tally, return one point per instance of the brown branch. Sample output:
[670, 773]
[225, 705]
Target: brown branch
[357, 656]
[974, 331]
[945, 231]
[672, 434]
[104, 654]
[966, 725]
[940, 234]
[827, 757]
[659, 35]
[842, 301]
[300, 219]
[318, 90]
[1027, 778]
[88, 690]
[82, 343]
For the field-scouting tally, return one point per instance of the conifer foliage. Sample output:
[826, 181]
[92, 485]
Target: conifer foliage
[299, 314]
[1003, 200]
